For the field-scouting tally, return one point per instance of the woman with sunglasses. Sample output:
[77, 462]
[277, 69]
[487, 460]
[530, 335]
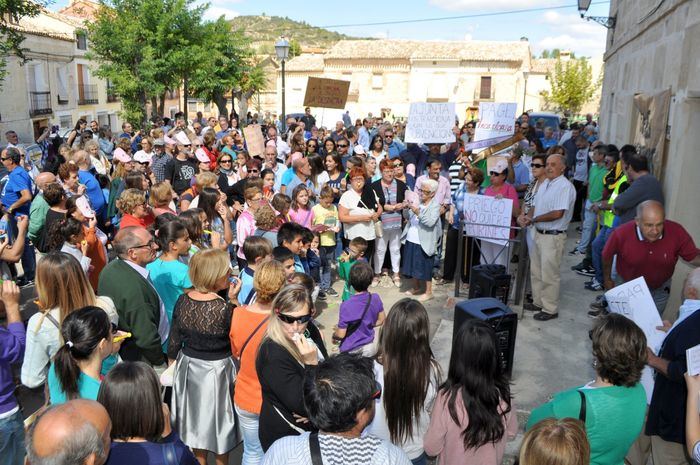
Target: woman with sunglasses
[87, 340]
[202, 404]
[401, 175]
[312, 146]
[495, 253]
[377, 152]
[292, 343]
[537, 165]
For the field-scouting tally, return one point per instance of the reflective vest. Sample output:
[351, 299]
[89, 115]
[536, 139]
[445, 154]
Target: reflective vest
[608, 215]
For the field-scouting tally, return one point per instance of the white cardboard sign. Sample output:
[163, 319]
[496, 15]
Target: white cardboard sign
[430, 123]
[495, 120]
[487, 218]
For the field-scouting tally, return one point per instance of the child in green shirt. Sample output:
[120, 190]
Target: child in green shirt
[356, 251]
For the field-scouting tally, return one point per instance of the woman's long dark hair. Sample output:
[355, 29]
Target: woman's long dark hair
[476, 375]
[404, 352]
[61, 232]
[208, 199]
[82, 331]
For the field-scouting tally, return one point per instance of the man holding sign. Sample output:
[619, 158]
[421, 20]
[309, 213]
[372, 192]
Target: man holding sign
[551, 215]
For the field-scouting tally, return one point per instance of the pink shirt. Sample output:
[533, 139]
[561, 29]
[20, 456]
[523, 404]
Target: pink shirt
[507, 191]
[444, 436]
[302, 217]
[245, 226]
[443, 196]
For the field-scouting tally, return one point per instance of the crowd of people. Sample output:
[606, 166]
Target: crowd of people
[178, 275]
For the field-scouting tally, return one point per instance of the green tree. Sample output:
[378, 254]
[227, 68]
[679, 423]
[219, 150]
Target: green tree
[145, 47]
[294, 48]
[11, 11]
[253, 81]
[572, 85]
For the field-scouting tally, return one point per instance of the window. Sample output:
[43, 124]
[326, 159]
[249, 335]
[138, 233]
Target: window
[62, 84]
[65, 121]
[103, 119]
[377, 81]
[485, 88]
[82, 40]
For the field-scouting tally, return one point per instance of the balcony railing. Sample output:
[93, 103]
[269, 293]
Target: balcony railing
[112, 96]
[87, 94]
[40, 103]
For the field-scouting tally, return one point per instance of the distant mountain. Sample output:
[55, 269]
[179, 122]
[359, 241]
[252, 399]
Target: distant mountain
[264, 30]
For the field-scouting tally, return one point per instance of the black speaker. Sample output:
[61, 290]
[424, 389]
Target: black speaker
[489, 281]
[499, 316]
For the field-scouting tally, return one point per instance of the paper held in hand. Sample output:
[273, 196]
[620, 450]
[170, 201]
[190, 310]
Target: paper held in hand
[633, 300]
[692, 356]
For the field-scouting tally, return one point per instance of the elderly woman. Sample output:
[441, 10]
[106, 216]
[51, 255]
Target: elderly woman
[97, 159]
[358, 210]
[134, 209]
[612, 406]
[420, 236]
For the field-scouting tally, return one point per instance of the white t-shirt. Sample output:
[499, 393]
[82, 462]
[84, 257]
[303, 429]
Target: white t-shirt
[414, 446]
[351, 200]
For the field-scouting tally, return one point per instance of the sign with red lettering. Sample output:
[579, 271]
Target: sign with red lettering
[487, 218]
[326, 93]
[495, 120]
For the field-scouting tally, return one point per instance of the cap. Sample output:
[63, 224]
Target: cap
[202, 156]
[142, 157]
[182, 138]
[500, 166]
[121, 156]
[358, 150]
[84, 206]
[158, 142]
[169, 140]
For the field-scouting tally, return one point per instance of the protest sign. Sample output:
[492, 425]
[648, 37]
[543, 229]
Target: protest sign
[487, 218]
[495, 120]
[633, 300]
[326, 93]
[254, 140]
[431, 123]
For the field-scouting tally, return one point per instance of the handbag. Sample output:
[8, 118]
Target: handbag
[378, 226]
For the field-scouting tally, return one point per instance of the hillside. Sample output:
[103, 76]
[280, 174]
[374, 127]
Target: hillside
[264, 30]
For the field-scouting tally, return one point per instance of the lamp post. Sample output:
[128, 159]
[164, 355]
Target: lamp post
[606, 21]
[525, 75]
[282, 50]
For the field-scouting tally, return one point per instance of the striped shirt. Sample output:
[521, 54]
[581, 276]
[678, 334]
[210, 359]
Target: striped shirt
[454, 176]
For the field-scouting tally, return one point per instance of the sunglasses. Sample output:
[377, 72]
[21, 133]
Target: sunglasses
[537, 165]
[226, 161]
[253, 171]
[398, 165]
[342, 145]
[290, 320]
[493, 173]
[114, 327]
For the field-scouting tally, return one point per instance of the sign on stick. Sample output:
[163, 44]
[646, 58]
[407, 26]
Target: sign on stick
[254, 140]
[487, 218]
[326, 93]
[431, 123]
[495, 120]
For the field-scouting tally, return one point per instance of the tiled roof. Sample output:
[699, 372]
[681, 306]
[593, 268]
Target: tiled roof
[473, 50]
[543, 65]
[305, 62]
[48, 24]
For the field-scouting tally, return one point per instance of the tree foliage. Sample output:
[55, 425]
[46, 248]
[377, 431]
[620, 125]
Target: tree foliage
[572, 85]
[253, 81]
[11, 11]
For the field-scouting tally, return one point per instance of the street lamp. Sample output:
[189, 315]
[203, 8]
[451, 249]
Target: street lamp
[607, 21]
[526, 74]
[282, 50]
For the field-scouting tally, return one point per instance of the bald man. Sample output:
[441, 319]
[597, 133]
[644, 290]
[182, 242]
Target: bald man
[650, 247]
[551, 215]
[37, 212]
[76, 432]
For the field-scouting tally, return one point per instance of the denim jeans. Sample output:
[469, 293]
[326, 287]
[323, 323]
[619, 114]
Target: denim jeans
[589, 221]
[327, 256]
[252, 450]
[598, 246]
[12, 440]
[422, 459]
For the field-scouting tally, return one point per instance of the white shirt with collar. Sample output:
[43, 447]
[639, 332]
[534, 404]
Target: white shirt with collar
[555, 194]
[163, 324]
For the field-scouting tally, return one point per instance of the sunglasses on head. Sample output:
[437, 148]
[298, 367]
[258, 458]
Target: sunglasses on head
[290, 320]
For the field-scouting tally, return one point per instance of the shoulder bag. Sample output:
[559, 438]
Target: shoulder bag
[237, 360]
[354, 325]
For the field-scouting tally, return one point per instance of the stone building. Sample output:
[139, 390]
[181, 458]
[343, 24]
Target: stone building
[651, 97]
[56, 87]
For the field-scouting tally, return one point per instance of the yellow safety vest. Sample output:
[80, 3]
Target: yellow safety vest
[608, 215]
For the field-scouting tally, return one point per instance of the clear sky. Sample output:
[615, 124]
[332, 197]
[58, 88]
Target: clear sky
[546, 29]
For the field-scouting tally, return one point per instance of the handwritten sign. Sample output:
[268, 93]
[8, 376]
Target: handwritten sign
[254, 140]
[495, 120]
[326, 93]
[431, 123]
[633, 300]
[487, 218]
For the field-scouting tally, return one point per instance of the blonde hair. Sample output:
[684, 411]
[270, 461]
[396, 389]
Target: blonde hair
[268, 280]
[129, 200]
[61, 283]
[207, 267]
[89, 144]
[205, 179]
[161, 194]
[556, 442]
[292, 298]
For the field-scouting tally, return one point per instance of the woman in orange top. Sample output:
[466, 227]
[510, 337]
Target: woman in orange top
[248, 326]
[134, 209]
[79, 208]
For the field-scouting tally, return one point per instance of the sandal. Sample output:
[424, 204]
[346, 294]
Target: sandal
[397, 280]
[412, 292]
[424, 297]
[375, 281]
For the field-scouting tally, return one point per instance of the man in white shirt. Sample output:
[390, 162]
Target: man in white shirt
[551, 215]
[271, 163]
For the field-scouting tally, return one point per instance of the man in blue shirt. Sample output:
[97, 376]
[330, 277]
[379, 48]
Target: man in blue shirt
[518, 174]
[363, 135]
[17, 200]
[223, 123]
[134, 137]
[92, 186]
[548, 140]
[393, 146]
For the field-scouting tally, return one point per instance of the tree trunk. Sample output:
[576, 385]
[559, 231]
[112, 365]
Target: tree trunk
[154, 106]
[161, 104]
[220, 103]
[243, 107]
